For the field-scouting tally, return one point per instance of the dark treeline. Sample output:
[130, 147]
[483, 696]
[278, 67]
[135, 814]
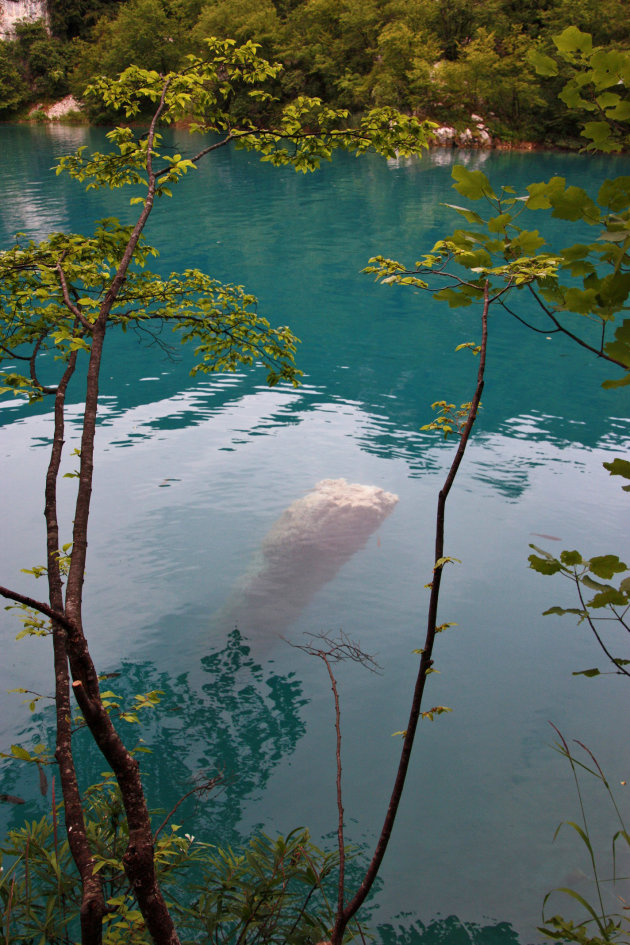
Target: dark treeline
[440, 59]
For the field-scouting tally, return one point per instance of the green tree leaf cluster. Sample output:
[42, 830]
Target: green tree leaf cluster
[68, 277]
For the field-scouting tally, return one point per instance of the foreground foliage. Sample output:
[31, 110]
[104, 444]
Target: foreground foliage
[603, 922]
[272, 890]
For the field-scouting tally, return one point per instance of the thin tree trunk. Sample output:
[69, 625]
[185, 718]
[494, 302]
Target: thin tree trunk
[92, 899]
[138, 859]
[426, 660]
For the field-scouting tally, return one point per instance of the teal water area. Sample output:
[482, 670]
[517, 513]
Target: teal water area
[191, 475]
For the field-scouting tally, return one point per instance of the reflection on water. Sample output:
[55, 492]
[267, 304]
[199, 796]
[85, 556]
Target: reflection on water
[449, 931]
[511, 459]
[443, 157]
[66, 138]
[236, 721]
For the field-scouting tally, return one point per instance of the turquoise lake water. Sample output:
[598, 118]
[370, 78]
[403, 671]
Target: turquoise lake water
[192, 473]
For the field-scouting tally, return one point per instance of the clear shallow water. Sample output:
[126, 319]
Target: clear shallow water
[192, 474]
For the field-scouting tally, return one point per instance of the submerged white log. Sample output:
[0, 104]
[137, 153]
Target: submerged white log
[13, 10]
[303, 550]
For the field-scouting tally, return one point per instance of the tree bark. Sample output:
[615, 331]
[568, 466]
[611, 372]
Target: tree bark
[92, 899]
[138, 859]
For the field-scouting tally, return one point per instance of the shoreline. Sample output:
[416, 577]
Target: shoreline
[474, 137]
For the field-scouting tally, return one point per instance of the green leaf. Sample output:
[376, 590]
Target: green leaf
[600, 134]
[454, 298]
[614, 290]
[574, 204]
[469, 215]
[573, 40]
[527, 241]
[593, 585]
[18, 752]
[498, 224]
[445, 560]
[472, 184]
[587, 672]
[544, 565]
[436, 710]
[605, 566]
[610, 597]
[621, 111]
[620, 350]
[571, 558]
[560, 611]
[540, 194]
[544, 65]
[619, 382]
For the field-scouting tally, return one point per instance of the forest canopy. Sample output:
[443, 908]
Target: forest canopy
[438, 59]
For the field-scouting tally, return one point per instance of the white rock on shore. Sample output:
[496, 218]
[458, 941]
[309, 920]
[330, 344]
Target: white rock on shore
[479, 137]
[58, 109]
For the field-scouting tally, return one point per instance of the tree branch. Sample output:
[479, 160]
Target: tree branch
[38, 605]
[203, 788]
[541, 331]
[214, 147]
[591, 624]
[72, 308]
[574, 337]
[138, 859]
[12, 354]
[33, 371]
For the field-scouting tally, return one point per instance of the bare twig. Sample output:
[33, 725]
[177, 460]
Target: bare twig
[203, 788]
[330, 651]
[336, 649]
